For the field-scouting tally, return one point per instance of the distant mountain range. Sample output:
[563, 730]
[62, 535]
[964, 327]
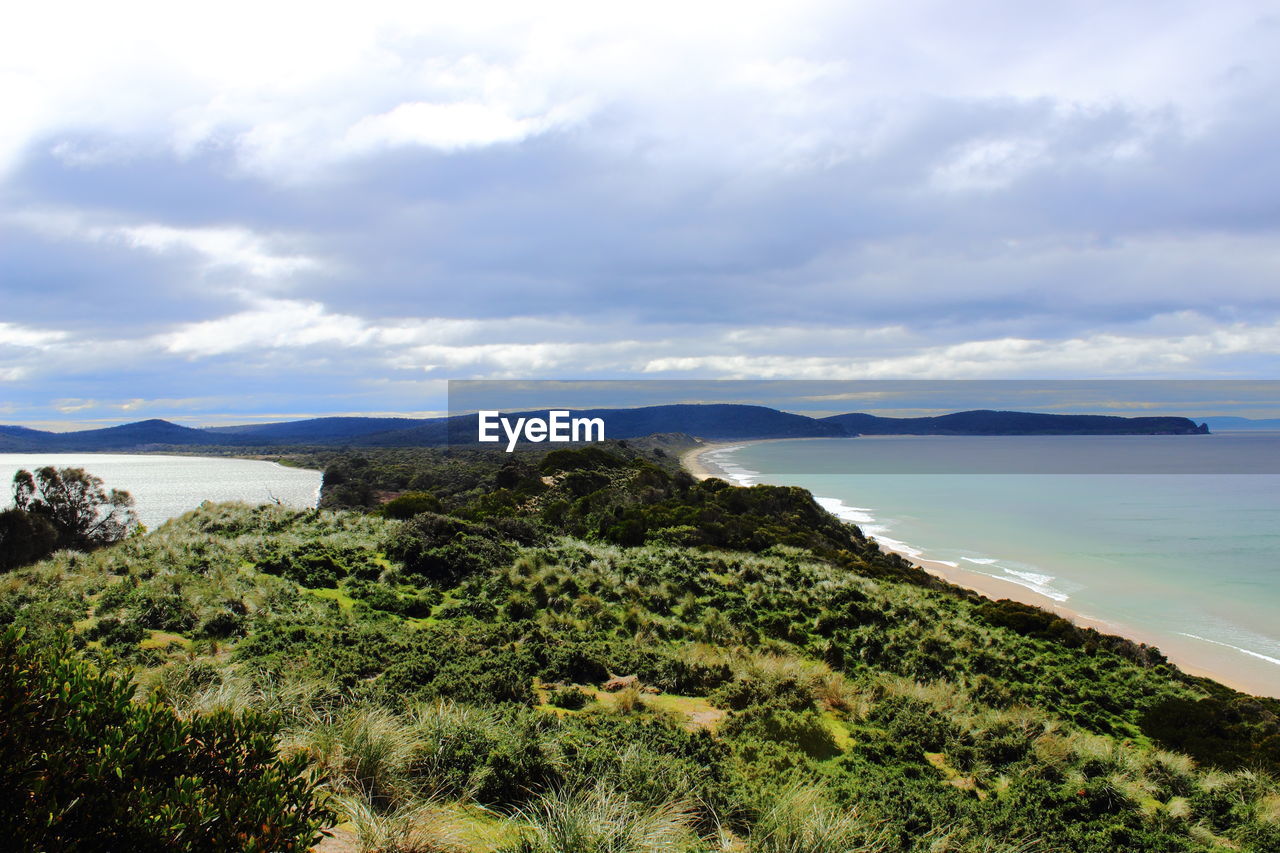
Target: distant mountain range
[713, 422]
[985, 422]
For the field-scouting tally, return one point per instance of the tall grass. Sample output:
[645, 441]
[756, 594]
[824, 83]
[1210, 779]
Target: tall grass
[801, 819]
[600, 820]
[414, 827]
[365, 751]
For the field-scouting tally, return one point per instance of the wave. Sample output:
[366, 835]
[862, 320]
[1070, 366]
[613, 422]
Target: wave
[1259, 655]
[862, 516]
[1033, 581]
[738, 474]
[844, 512]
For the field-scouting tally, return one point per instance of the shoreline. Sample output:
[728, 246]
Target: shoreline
[1187, 656]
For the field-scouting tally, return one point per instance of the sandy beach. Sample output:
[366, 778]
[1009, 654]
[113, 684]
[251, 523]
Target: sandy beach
[693, 462]
[1191, 657]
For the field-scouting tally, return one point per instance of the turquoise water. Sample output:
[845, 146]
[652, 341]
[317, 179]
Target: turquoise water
[167, 486]
[1190, 562]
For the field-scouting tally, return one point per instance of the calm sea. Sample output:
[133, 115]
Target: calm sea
[167, 486]
[1190, 562]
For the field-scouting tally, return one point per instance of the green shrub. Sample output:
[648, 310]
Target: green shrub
[26, 537]
[311, 566]
[224, 623]
[443, 550]
[569, 698]
[163, 611]
[115, 632]
[410, 504]
[381, 596]
[83, 767]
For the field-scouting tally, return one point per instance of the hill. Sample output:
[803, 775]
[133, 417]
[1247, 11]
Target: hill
[314, 430]
[141, 435]
[986, 422]
[714, 422]
[591, 640]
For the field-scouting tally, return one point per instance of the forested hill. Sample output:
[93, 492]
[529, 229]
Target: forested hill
[590, 650]
[986, 422]
[714, 422]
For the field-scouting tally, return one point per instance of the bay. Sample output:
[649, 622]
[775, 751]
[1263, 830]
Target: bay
[164, 487]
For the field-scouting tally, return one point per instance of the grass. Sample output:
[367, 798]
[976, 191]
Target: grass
[416, 827]
[839, 731]
[801, 819]
[163, 640]
[601, 820]
[345, 601]
[696, 711]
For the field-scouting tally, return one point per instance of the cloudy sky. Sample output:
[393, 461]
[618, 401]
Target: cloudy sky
[260, 210]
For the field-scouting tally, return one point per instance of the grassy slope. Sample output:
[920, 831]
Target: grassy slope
[784, 692]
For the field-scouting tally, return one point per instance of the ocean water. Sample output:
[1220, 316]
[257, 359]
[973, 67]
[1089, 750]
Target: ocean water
[167, 486]
[1188, 561]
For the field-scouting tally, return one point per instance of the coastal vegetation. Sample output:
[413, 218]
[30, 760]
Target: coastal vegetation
[590, 650]
[61, 508]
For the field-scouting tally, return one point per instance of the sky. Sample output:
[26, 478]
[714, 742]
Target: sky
[251, 211]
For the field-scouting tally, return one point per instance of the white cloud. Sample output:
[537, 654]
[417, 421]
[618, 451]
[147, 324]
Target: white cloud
[291, 87]
[216, 247]
[448, 127]
[230, 247]
[13, 335]
[1205, 354]
[269, 324]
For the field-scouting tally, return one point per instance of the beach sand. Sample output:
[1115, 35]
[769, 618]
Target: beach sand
[697, 466]
[1189, 656]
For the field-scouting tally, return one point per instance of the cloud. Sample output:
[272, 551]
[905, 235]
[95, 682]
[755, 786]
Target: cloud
[234, 247]
[12, 335]
[1119, 356]
[270, 324]
[288, 210]
[448, 127]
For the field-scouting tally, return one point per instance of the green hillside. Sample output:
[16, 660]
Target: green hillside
[588, 650]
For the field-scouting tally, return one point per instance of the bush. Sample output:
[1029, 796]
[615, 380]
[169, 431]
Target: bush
[311, 566]
[164, 611]
[115, 632]
[569, 698]
[410, 504]
[223, 624]
[24, 538]
[380, 596]
[83, 767]
[443, 550]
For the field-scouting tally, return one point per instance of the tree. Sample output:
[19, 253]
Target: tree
[83, 514]
[24, 538]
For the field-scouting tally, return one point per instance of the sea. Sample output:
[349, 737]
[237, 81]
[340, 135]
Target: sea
[1110, 529]
[164, 487]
